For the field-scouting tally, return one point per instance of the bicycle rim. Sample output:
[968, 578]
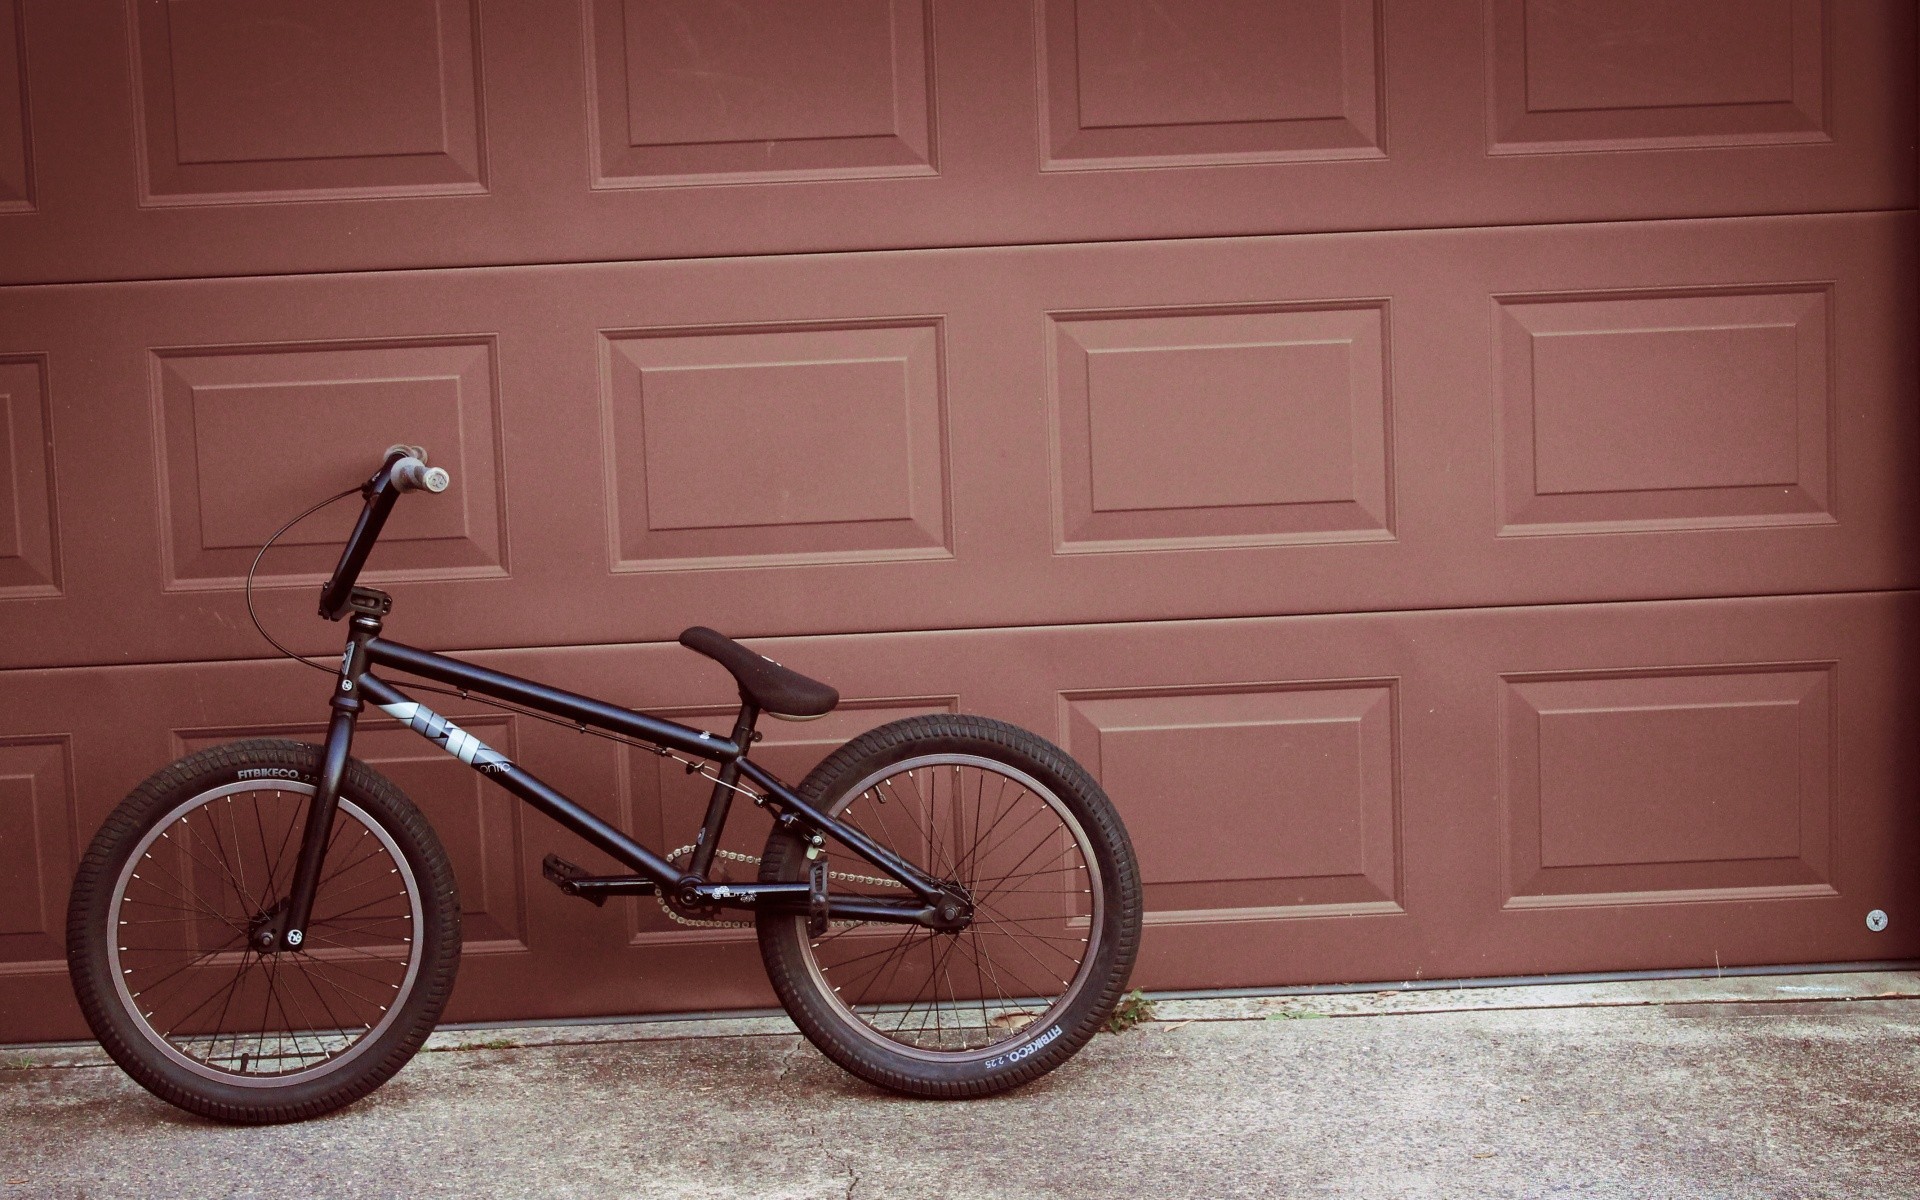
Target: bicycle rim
[206, 874]
[1029, 867]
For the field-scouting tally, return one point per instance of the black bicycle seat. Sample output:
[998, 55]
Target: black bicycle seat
[776, 690]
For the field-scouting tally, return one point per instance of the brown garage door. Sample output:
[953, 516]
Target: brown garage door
[1445, 467]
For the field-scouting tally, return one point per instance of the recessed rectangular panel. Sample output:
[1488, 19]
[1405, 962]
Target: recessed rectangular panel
[777, 444]
[225, 413]
[665, 806]
[1221, 428]
[1625, 788]
[1626, 410]
[479, 824]
[28, 543]
[281, 100]
[847, 478]
[1735, 762]
[1250, 801]
[686, 91]
[1664, 411]
[1137, 83]
[37, 847]
[16, 153]
[1262, 398]
[1627, 74]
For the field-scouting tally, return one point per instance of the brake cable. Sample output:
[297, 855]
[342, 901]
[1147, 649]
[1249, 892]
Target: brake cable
[255, 616]
[694, 767]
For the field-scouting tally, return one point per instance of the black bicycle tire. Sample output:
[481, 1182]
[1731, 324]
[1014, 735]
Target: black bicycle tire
[784, 942]
[88, 929]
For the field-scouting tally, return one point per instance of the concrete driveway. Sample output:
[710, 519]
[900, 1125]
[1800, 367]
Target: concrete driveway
[1780, 1086]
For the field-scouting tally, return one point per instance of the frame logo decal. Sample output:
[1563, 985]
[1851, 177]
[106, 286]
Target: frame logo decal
[450, 737]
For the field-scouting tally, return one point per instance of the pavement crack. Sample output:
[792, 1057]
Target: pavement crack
[853, 1176]
[792, 1060]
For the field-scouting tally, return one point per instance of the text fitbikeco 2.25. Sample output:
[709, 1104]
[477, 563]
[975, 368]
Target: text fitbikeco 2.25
[265, 931]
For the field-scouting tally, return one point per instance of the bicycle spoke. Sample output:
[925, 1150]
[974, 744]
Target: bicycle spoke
[325, 1005]
[872, 975]
[177, 971]
[347, 991]
[220, 1022]
[224, 868]
[890, 969]
[369, 904]
[153, 863]
[344, 947]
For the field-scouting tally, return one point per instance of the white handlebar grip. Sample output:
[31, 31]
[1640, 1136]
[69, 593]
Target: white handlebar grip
[412, 475]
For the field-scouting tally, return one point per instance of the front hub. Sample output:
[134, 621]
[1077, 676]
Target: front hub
[264, 932]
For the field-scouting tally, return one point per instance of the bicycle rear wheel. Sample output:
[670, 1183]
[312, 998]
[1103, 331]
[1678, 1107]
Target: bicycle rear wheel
[1029, 838]
[197, 860]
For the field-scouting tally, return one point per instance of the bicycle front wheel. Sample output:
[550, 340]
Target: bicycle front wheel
[1013, 824]
[199, 859]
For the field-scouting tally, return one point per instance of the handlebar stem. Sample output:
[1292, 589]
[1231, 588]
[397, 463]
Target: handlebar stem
[381, 491]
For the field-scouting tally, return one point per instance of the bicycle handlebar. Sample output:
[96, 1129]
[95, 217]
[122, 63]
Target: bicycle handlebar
[403, 470]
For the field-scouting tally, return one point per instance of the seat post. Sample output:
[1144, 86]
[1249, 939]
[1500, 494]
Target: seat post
[708, 839]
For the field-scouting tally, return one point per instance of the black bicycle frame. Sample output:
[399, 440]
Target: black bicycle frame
[355, 687]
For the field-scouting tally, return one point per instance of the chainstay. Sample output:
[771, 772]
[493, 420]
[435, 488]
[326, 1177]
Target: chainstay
[735, 856]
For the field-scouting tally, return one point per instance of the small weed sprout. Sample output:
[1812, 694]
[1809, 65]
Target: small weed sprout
[1133, 1008]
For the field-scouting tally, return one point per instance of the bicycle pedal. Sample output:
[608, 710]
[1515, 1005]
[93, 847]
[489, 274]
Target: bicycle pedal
[562, 875]
[817, 897]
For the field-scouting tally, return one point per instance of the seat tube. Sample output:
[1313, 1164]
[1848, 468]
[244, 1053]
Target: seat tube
[346, 705]
[707, 841]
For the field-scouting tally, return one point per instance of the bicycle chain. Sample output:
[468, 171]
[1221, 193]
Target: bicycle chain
[734, 856]
[702, 770]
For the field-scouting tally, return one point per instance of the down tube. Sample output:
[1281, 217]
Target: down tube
[516, 779]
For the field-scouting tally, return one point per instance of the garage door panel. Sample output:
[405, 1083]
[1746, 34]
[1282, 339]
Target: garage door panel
[1384, 796]
[1093, 433]
[578, 133]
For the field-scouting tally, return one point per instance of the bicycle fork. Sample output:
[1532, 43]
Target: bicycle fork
[290, 930]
